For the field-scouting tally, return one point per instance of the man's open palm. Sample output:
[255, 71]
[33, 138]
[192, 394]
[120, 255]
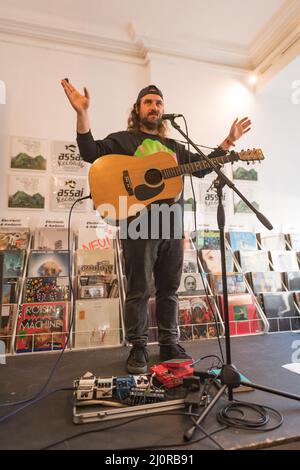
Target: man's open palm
[79, 102]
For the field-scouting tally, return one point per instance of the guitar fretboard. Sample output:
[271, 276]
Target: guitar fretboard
[188, 168]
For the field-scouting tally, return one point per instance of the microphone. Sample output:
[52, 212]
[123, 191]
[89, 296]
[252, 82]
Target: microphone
[170, 116]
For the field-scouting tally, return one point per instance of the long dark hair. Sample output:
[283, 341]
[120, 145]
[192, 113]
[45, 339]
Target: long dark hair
[134, 122]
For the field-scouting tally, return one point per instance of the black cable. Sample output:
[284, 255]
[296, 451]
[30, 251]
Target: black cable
[224, 416]
[33, 402]
[212, 355]
[206, 434]
[109, 428]
[198, 145]
[35, 398]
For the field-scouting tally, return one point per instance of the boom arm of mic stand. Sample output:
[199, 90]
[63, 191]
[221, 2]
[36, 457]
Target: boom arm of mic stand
[223, 177]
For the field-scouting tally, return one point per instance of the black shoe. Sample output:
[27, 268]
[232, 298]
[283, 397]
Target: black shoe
[172, 351]
[137, 360]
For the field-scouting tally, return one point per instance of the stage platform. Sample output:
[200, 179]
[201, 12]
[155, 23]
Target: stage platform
[258, 357]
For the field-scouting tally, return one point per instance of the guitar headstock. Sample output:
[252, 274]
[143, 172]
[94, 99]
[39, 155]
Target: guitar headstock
[251, 155]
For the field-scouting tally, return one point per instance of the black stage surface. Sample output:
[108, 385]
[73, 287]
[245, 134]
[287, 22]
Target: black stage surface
[258, 357]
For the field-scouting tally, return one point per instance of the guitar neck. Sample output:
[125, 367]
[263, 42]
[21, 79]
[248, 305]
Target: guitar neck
[189, 168]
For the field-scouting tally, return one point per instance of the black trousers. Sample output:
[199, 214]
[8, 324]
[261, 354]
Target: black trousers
[163, 258]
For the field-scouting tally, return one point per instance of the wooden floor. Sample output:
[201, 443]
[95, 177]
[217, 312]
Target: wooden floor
[258, 357]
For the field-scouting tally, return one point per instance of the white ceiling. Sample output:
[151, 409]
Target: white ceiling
[230, 23]
[248, 35]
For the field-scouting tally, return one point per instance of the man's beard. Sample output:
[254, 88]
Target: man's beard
[151, 125]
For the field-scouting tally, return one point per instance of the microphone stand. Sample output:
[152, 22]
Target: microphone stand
[229, 376]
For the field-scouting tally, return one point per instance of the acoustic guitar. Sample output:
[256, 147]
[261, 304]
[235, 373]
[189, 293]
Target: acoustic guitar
[122, 186]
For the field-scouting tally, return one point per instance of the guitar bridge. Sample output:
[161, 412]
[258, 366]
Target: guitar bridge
[127, 183]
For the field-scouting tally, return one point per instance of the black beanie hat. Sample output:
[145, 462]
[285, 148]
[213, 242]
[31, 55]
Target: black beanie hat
[151, 89]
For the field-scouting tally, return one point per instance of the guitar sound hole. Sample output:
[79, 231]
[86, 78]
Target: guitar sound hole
[153, 177]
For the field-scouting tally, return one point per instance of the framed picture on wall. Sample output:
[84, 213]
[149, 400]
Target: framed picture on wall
[244, 172]
[250, 190]
[209, 198]
[65, 158]
[65, 190]
[188, 196]
[27, 153]
[26, 192]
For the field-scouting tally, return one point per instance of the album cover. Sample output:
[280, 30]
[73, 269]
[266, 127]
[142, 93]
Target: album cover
[284, 261]
[98, 286]
[46, 289]
[197, 318]
[272, 241]
[292, 279]
[41, 326]
[211, 261]
[66, 190]
[10, 291]
[28, 153]
[281, 311]
[252, 261]
[52, 239]
[96, 279]
[191, 284]
[188, 196]
[11, 239]
[207, 239]
[97, 323]
[190, 261]
[268, 281]
[185, 320]
[297, 298]
[7, 320]
[93, 292]
[13, 263]
[294, 239]
[113, 289]
[250, 190]
[26, 192]
[235, 283]
[209, 198]
[100, 238]
[6, 293]
[242, 240]
[243, 315]
[66, 158]
[47, 263]
[95, 262]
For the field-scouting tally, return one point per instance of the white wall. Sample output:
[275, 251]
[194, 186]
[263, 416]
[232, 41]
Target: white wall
[37, 106]
[277, 128]
[209, 97]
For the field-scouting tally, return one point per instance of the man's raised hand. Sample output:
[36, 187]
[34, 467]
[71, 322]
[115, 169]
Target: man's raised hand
[79, 102]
